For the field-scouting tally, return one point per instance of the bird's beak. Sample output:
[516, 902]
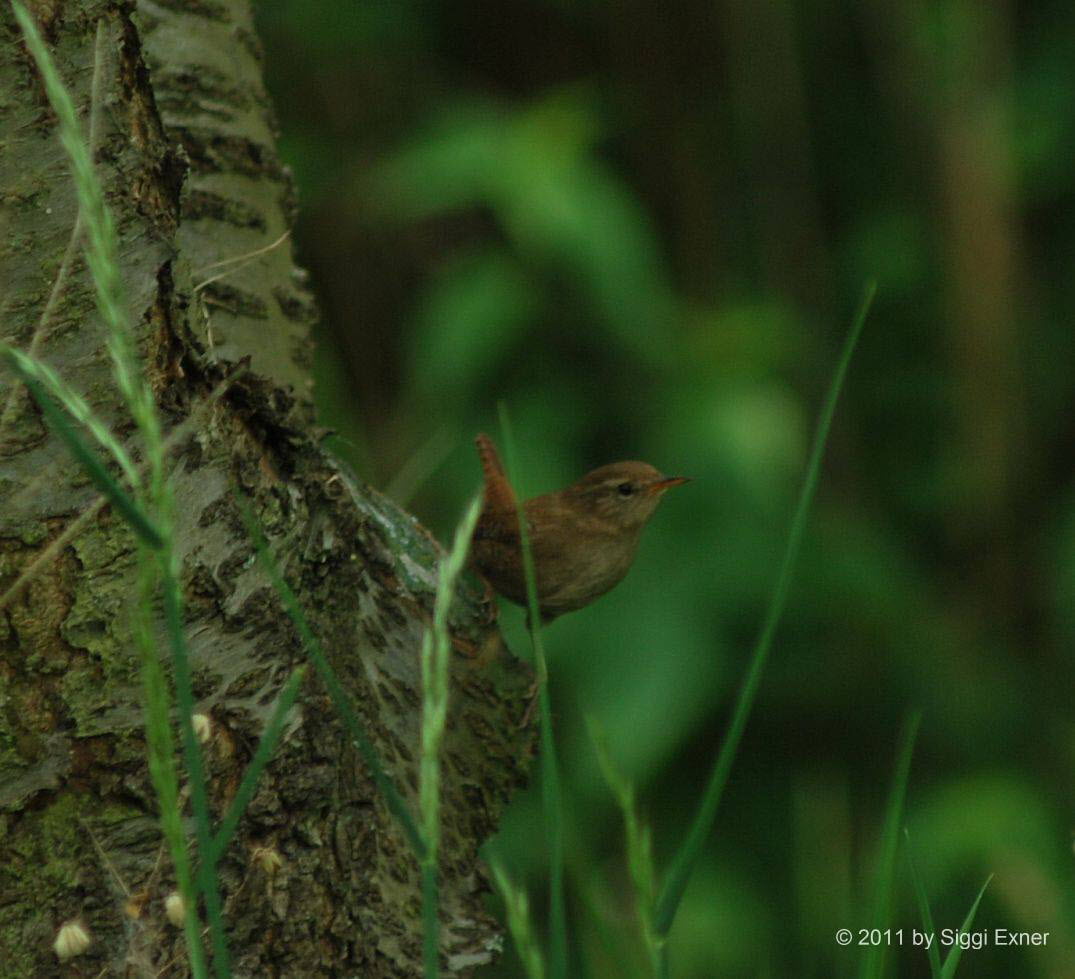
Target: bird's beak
[667, 483]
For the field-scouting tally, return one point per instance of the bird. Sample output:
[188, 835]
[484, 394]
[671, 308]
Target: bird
[583, 538]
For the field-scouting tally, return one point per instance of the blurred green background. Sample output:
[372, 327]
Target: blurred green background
[645, 227]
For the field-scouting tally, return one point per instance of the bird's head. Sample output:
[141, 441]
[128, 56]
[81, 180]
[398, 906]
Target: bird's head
[623, 493]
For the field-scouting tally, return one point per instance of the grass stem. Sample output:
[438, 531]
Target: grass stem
[552, 805]
[435, 655]
[686, 857]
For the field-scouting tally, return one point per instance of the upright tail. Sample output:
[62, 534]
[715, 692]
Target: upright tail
[498, 491]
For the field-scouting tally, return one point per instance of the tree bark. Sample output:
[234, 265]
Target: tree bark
[184, 144]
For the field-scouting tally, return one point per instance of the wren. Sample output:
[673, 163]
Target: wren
[583, 538]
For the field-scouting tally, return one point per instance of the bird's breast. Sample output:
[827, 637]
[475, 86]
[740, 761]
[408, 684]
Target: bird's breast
[575, 567]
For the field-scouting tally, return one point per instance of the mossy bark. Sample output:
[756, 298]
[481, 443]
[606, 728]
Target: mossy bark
[184, 145]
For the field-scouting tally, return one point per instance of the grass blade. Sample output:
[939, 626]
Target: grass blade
[46, 556]
[266, 746]
[873, 962]
[927, 916]
[435, 654]
[518, 912]
[385, 785]
[161, 758]
[102, 246]
[74, 242]
[28, 367]
[430, 920]
[639, 846]
[687, 855]
[951, 961]
[192, 756]
[86, 457]
[550, 774]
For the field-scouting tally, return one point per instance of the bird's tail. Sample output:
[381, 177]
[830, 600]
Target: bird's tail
[498, 491]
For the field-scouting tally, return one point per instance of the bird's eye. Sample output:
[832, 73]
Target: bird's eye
[625, 489]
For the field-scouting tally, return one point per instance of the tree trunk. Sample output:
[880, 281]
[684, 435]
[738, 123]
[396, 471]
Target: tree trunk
[183, 141]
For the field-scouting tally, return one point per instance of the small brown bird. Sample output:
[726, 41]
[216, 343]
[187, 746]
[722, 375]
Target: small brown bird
[583, 538]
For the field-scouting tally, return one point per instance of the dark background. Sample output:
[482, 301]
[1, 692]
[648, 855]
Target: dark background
[646, 227]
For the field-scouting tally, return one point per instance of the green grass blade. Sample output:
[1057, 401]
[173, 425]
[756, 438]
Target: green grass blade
[73, 248]
[266, 746]
[529, 574]
[102, 246]
[160, 750]
[552, 805]
[29, 367]
[639, 845]
[687, 855]
[102, 258]
[435, 656]
[873, 963]
[924, 911]
[420, 466]
[192, 756]
[86, 457]
[518, 913]
[49, 553]
[951, 961]
[552, 810]
[430, 920]
[618, 785]
[342, 703]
